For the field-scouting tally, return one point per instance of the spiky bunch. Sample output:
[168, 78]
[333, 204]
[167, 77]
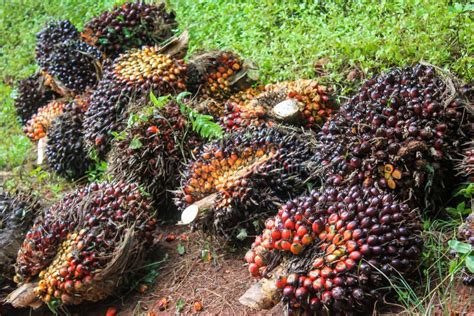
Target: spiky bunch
[37, 127]
[147, 68]
[216, 74]
[130, 25]
[246, 174]
[82, 247]
[32, 93]
[105, 113]
[53, 34]
[345, 240]
[17, 212]
[153, 151]
[310, 106]
[391, 142]
[66, 153]
[74, 64]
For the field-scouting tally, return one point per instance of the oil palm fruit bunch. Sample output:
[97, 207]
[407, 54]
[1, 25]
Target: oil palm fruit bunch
[66, 153]
[53, 34]
[130, 79]
[130, 25]
[339, 244]
[105, 113]
[74, 65]
[147, 68]
[153, 150]
[82, 248]
[17, 212]
[302, 102]
[394, 141]
[217, 75]
[32, 93]
[241, 177]
[37, 127]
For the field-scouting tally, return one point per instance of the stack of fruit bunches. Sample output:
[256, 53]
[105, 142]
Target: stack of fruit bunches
[392, 142]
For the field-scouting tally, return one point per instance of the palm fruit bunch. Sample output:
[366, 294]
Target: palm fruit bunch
[53, 34]
[17, 212]
[154, 150]
[37, 127]
[343, 243]
[130, 25]
[65, 151]
[302, 102]
[32, 93]
[82, 248]
[73, 64]
[243, 176]
[216, 75]
[393, 141]
[105, 113]
[147, 68]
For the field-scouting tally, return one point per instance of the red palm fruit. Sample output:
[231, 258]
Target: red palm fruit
[281, 282]
[317, 226]
[259, 261]
[301, 293]
[286, 234]
[276, 234]
[296, 248]
[250, 256]
[289, 224]
[318, 283]
[327, 272]
[253, 269]
[350, 264]
[315, 304]
[340, 266]
[285, 245]
[355, 255]
[306, 240]
[302, 230]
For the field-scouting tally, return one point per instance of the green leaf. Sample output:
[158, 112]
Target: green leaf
[460, 247]
[135, 144]
[470, 263]
[159, 102]
[181, 250]
[205, 255]
[242, 234]
[180, 305]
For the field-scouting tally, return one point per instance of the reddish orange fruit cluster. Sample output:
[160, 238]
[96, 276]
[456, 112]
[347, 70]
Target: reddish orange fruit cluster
[38, 125]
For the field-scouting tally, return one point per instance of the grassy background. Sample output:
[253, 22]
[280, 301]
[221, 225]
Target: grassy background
[284, 39]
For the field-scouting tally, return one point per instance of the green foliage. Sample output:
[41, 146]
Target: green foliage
[285, 38]
[202, 124]
[97, 170]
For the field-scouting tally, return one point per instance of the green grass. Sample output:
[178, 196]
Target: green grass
[284, 39]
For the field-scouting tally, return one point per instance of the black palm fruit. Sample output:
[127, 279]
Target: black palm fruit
[65, 149]
[32, 93]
